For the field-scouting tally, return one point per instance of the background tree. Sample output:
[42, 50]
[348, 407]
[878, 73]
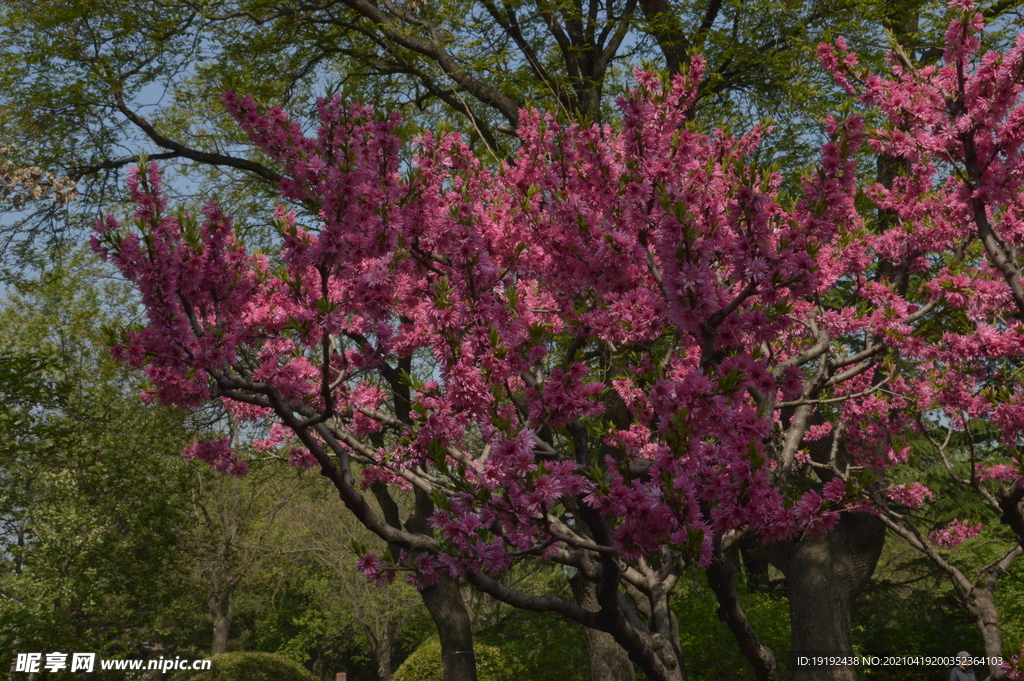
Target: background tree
[233, 520]
[91, 554]
[320, 526]
[956, 517]
[107, 82]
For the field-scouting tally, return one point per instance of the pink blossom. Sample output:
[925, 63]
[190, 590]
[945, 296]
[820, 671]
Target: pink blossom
[911, 495]
[218, 455]
[369, 564]
[954, 534]
[997, 472]
[1014, 667]
[300, 457]
[834, 490]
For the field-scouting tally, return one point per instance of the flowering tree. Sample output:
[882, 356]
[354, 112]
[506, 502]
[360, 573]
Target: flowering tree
[621, 351]
[959, 127]
[19, 185]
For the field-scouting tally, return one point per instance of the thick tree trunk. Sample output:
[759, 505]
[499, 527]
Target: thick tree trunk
[221, 608]
[657, 657]
[608, 660]
[448, 610]
[652, 645]
[443, 599]
[823, 575]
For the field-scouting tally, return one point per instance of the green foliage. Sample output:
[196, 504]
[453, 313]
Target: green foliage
[710, 649]
[1010, 603]
[548, 647]
[909, 608]
[294, 609]
[492, 664]
[249, 666]
[90, 557]
[313, 606]
[896, 619]
[84, 83]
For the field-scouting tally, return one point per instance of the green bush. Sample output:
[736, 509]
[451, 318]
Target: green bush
[249, 666]
[710, 649]
[549, 647]
[424, 664]
[1010, 602]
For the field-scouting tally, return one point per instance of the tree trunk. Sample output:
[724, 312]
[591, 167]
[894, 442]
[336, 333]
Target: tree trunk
[982, 605]
[221, 608]
[823, 575]
[608, 660]
[448, 610]
[657, 657]
[652, 645]
[383, 655]
[380, 649]
[15, 646]
[443, 598]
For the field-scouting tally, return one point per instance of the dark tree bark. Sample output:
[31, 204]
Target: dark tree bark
[608, 660]
[442, 599]
[674, 40]
[384, 662]
[448, 610]
[1009, 502]
[823, 576]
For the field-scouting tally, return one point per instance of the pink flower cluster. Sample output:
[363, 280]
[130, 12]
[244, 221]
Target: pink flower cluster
[378, 570]
[912, 495]
[218, 455]
[997, 472]
[954, 534]
[1014, 667]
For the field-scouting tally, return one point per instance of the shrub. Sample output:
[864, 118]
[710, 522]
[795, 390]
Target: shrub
[249, 666]
[424, 664]
[549, 647]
